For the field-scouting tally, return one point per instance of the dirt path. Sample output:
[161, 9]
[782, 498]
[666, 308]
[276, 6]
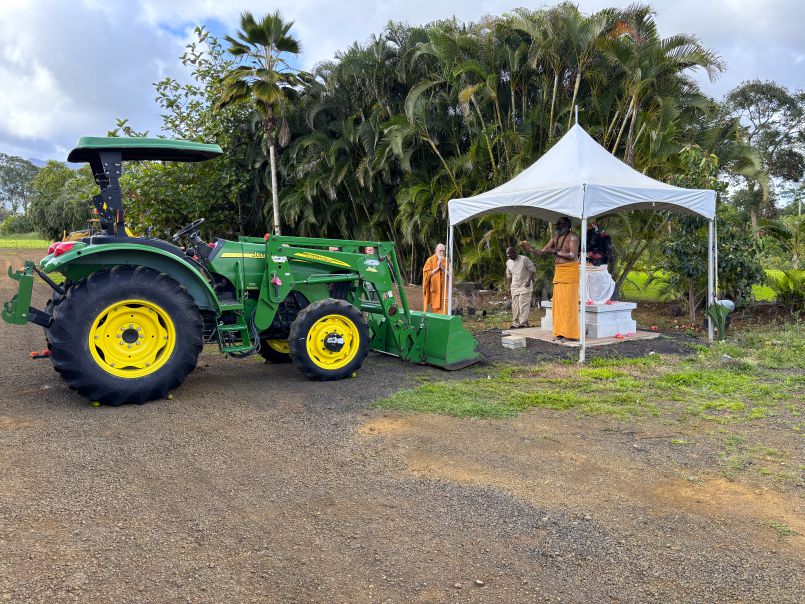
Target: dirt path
[254, 484]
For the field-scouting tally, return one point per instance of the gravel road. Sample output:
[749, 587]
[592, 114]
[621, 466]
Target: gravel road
[254, 484]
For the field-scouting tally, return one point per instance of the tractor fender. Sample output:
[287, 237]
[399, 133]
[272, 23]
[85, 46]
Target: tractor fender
[83, 260]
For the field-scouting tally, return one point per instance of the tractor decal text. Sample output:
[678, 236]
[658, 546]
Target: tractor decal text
[259, 255]
[320, 258]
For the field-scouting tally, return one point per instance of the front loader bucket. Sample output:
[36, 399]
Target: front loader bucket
[446, 343]
[434, 339]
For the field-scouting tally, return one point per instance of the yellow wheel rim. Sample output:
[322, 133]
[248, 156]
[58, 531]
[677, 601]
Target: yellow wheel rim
[333, 342]
[132, 338]
[279, 346]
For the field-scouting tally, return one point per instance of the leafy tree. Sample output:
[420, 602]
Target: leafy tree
[60, 199]
[773, 120]
[788, 233]
[16, 175]
[683, 250]
[267, 80]
[224, 191]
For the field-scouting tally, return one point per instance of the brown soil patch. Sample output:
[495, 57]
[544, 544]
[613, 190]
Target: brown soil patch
[556, 459]
[383, 425]
[721, 498]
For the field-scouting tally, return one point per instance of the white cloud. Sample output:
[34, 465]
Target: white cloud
[69, 69]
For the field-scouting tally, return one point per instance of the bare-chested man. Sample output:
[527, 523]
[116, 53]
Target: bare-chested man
[565, 304]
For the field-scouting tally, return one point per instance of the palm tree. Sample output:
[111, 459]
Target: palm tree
[651, 64]
[267, 79]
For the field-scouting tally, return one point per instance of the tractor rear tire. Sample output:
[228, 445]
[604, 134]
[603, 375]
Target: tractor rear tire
[128, 334]
[329, 340]
[50, 306]
[275, 351]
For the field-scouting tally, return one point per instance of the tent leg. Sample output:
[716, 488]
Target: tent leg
[715, 258]
[583, 294]
[710, 278]
[449, 279]
[445, 295]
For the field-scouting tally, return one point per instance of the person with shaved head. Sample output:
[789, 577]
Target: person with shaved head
[434, 282]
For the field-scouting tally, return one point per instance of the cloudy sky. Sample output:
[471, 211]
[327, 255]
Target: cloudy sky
[70, 67]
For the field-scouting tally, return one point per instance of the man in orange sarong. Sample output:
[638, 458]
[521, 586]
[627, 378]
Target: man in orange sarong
[565, 303]
[434, 282]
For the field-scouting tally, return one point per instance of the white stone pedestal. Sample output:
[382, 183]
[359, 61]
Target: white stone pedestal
[603, 320]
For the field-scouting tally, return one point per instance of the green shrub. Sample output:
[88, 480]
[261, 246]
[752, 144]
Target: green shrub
[789, 289]
[15, 224]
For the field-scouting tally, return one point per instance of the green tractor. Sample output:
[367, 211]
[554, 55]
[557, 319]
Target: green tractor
[131, 315]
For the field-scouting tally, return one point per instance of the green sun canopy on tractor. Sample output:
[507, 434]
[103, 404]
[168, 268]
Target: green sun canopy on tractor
[143, 149]
[131, 314]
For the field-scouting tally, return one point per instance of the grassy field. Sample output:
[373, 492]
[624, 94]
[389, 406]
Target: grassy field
[757, 374]
[638, 289]
[24, 241]
[737, 403]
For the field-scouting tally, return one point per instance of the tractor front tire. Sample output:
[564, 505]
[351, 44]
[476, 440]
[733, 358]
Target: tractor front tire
[275, 351]
[329, 340]
[128, 334]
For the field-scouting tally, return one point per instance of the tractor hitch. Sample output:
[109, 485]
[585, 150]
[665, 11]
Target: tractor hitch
[18, 310]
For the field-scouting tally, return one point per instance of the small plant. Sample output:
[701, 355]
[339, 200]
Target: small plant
[718, 314]
[782, 529]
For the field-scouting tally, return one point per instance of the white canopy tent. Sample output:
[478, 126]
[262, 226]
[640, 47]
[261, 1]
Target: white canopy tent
[580, 179]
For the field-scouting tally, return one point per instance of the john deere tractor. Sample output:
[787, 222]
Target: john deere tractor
[128, 319]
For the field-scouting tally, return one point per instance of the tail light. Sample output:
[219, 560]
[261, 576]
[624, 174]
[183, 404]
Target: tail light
[61, 247]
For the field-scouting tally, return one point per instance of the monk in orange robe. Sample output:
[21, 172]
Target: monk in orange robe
[434, 282]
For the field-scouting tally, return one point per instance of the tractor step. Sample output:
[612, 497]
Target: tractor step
[235, 327]
[242, 331]
[240, 348]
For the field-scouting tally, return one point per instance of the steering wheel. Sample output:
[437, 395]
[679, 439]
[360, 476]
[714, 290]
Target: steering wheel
[190, 228]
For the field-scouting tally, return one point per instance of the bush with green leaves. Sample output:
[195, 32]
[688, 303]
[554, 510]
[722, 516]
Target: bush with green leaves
[15, 224]
[61, 199]
[789, 288]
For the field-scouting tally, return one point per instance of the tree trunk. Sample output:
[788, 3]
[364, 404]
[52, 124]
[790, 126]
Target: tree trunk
[611, 126]
[623, 125]
[275, 198]
[573, 102]
[631, 259]
[553, 103]
[630, 142]
[691, 301]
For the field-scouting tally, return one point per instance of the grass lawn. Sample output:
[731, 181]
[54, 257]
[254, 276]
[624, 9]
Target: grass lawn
[756, 374]
[26, 241]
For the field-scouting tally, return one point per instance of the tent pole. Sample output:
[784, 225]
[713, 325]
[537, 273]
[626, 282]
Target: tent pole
[583, 293]
[715, 257]
[445, 296]
[710, 278]
[449, 280]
